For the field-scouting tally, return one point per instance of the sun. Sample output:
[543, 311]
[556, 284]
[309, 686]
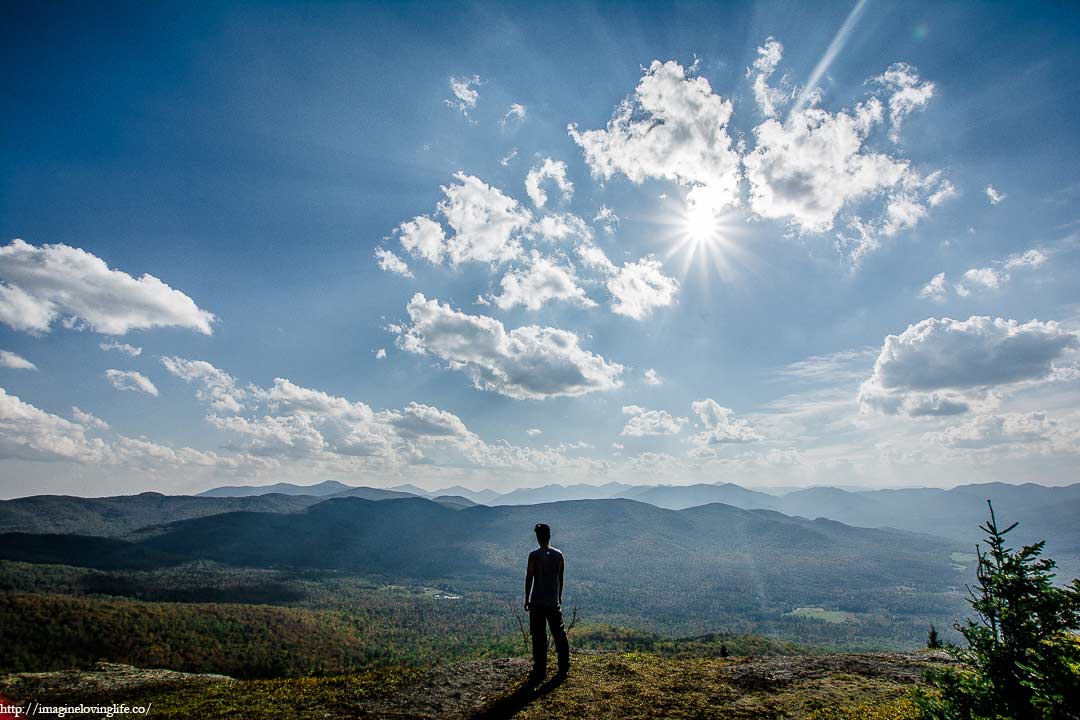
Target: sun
[701, 224]
[705, 241]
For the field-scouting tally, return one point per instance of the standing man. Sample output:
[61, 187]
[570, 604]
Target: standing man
[544, 580]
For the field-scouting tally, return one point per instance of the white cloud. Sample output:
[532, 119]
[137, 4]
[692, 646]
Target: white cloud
[768, 99]
[534, 432]
[991, 278]
[651, 377]
[639, 288]
[936, 289]
[721, 425]
[995, 196]
[390, 262]
[131, 380]
[38, 285]
[216, 387]
[424, 238]
[88, 420]
[594, 258]
[121, 347]
[991, 430]
[907, 94]
[644, 422]
[1029, 259]
[560, 227]
[674, 128]
[808, 168]
[538, 282]
[529, 362]
[516, 113]
[554, 170]
[509, 157]
[9, 359]
[484, 220]
[941, 367]
[946, 190]
[607, 219]
[466, 92]
[380, 354]
[987, 277]
[27, 433]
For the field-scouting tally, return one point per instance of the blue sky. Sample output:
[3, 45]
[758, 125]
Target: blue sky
[866, 280]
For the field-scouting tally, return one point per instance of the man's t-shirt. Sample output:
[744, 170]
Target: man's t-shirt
[547, 566]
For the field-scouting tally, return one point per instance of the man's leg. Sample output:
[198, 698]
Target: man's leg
[558, 635]
[539, 640]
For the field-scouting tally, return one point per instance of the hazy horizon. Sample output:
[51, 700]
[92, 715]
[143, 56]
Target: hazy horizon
[507, 247]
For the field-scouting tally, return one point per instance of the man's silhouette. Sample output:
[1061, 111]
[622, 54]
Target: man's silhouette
[544, 580]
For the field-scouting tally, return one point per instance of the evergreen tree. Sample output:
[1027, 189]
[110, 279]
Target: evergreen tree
[1022, 659]
[932, 640]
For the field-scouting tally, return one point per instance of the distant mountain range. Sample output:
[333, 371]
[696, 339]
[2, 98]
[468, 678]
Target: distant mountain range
[951, 513]
[1043, 512]
[621, 553]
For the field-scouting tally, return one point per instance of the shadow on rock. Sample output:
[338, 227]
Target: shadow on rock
[510, 705]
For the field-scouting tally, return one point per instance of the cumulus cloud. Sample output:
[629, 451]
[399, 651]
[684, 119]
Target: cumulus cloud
[807, 169]
[39, 285]
[466, 91]
[131, 380]
[992, 430]
[28, 433]
[486, 226]
[424, 238]
[936, 289]
[529, 362]
[607, 219]
[540, 281]
[1028, 259]
[390, 262]
[721, 425]
[673, 128]
[554, 170]
[562, 227]
[644, 422]
[516, 113]
[768, 99]
[484, 220]
[815, 164]
[651, 377]
[994, 196]
[88, 420]
[215, 387]
[640, 287]
[937, 367]
[121, 347]
[289, 422]
[380, 354]
[987, 277]
[907, 94]
[9, 359]
[990, 278]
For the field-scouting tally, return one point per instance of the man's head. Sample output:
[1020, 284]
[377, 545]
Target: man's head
[543, 534]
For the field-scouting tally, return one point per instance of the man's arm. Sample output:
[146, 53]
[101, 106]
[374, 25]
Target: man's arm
[528, 580]
[562, 566]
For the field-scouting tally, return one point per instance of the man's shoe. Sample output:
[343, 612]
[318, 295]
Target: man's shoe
[562, 673]
[536, 677]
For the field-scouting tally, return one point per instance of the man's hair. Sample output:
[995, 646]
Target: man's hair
[543, 532]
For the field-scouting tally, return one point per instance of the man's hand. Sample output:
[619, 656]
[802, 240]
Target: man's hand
[526, 604]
